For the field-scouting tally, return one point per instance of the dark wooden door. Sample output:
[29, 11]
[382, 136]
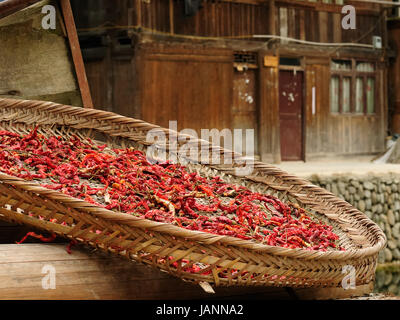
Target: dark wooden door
[290, 114]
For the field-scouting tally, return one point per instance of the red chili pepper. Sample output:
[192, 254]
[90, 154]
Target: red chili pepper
[38, 236]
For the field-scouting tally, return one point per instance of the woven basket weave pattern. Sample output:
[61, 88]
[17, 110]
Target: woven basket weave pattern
[152, 242]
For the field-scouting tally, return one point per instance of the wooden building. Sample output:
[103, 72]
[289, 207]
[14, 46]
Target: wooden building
[309, 88]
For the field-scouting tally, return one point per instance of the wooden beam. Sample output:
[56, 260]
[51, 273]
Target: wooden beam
[93, 275]
[361, 8]
[171, 16]
[11, 6]
[76, 53]
[381, 2]
[318, 3]
[268, 114]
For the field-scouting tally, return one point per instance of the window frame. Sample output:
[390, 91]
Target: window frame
[353, 74]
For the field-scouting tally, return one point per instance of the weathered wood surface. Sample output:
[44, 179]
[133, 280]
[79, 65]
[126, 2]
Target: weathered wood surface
[191, 86]
[88, 274]
[35, 63]
[241, 18]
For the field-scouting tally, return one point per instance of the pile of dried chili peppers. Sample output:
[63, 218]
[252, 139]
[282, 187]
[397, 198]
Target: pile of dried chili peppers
[123, 180]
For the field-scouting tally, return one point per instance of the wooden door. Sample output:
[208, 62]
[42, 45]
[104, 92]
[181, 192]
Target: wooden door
[290, 114]
[244, 107]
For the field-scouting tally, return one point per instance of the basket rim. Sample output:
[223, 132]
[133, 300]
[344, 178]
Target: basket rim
[191, 235]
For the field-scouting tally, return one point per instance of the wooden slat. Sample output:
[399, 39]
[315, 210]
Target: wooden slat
[337, 35]
[323, 26]
[283, 23]
[302, 25]
[97, 74]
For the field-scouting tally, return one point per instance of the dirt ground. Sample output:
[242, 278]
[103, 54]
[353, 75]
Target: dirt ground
[376, 296]
[354, 166]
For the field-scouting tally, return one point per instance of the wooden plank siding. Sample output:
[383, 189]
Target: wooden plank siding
[317, 22]
[227, 20]
[216, 18]
[325, 26]
[193, 87]
[96, 72]
[113, 85]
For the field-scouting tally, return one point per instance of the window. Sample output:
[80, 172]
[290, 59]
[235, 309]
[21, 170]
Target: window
[245, 57]
[289, 61]
[245, 60]
[335, 94]
[352, 88]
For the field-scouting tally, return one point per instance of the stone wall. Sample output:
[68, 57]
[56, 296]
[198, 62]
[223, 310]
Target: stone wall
[378, 196]
[388, 279]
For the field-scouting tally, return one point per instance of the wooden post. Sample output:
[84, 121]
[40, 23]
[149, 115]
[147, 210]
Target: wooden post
[76, 53]
[269, 132]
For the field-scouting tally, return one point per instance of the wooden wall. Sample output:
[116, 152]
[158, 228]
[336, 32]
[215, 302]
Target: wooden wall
[193, 87]
[322, 23]
[214, 19]
[305, 20]
[113, 85]
[223, 19]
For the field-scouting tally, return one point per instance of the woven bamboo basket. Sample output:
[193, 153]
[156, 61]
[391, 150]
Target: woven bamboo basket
[152, 242]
